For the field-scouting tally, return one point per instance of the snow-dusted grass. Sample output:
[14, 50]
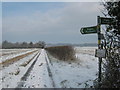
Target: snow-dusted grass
[13, 52]
[4, 58]
[76, 74]
[86, 50]
[5, 52]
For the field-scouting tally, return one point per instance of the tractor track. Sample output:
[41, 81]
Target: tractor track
[26, 75]
[24, 78]
[49, 72]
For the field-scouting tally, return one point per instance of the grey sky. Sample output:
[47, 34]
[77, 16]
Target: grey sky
[49, 22]
[0, 22]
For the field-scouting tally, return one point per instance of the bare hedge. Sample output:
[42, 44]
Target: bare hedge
[62, 52]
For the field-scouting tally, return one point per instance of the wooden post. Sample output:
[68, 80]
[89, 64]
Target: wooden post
[99, 47]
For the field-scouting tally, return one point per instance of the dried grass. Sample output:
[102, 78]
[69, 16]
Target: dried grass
[62, 52]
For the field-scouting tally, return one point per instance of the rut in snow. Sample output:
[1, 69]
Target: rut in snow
[49, 71]
[24, 78]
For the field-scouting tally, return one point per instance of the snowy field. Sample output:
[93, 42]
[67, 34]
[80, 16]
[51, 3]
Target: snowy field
[11, 53]
[77, 74]
[41, 70]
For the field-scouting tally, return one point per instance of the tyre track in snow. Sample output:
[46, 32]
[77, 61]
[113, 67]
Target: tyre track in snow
[15, 59]
[24, 78]
[49, 70]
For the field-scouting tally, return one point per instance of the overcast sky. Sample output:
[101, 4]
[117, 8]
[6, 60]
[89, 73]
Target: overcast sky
[0, 22]
[52, 22]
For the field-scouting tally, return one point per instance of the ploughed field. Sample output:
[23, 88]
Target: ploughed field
[36, 68]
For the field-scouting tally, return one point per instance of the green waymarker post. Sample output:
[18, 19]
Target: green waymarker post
[99, 21]
[89, 30]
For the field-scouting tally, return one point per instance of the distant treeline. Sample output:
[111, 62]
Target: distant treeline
[10, 45]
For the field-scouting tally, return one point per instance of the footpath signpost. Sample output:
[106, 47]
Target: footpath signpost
[89, 30]
[103, 20]
[100, 52]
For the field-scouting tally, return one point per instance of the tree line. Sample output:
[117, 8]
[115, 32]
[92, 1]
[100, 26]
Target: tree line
[9, 45]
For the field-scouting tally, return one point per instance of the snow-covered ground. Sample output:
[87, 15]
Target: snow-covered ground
[14, 72]
[39, 77]
[45, 71]
[14, 53]
[86, 50]
[76, 74]
[5, 52]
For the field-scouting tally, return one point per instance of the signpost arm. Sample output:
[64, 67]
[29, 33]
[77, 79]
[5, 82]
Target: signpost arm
[99, 47]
